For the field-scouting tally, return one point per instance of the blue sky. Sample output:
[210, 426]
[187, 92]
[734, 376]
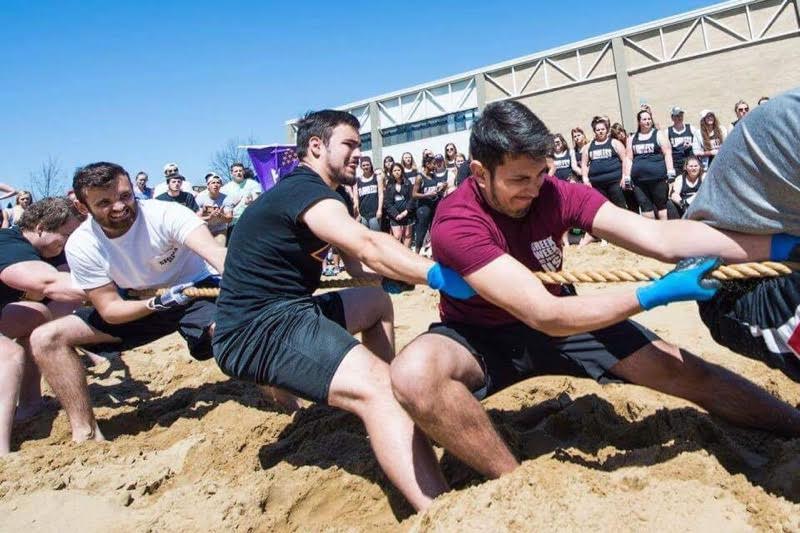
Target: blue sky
[148, 82]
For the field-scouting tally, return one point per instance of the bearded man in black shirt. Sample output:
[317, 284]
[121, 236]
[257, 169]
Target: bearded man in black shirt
[271, 329]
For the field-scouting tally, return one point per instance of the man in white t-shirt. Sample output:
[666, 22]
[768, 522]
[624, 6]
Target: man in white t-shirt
[241, 190]
[126, 244]
[215, 208]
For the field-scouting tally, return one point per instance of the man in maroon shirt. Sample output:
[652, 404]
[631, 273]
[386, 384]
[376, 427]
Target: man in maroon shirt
[506, 220]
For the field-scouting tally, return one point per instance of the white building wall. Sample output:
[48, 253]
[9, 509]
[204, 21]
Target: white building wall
[459, 138]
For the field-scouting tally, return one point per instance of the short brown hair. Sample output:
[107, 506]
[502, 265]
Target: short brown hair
[48, 213]
[99, 175]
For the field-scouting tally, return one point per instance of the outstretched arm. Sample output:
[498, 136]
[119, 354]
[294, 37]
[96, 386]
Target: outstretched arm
[673, 240]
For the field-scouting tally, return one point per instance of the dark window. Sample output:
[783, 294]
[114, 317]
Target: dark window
[431, 127]
[366, 142]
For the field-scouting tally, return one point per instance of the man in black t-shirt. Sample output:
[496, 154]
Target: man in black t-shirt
[271, 329]
[175, 194]
[27, 252]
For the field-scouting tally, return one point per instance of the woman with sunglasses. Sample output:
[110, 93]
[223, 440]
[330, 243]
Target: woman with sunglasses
[399, 205]
[741, 109]
[649, 158]
[712, 135]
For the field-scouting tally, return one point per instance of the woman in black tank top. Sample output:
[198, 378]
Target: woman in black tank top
[409, 167]
[649, 160]
[686, 186]
[560, 165]
[601, 163]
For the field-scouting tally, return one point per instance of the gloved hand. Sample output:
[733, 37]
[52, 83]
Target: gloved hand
[684, 283]
[172, 298]
[784, 247]
[448, 281]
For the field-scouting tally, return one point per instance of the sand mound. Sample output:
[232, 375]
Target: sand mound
[193, 450]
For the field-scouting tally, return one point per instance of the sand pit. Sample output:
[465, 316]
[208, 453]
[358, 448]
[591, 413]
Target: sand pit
[192, 450]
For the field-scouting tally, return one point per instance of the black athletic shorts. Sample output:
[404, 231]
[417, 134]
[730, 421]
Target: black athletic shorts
[651, 195]
[759, 319]
[192, 321]
[296, 345]
[509, 354]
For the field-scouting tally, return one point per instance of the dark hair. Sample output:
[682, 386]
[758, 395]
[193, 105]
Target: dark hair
[508, 128]
[391, 173]
[49, 213]
[95, 175]
[321, 124]
[598, 120]
[142, 173]
[562, 139]
[639, 119]
[237, 164]
[368, 159]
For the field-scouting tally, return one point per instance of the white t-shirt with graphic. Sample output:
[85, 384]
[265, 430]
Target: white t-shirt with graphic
[150, 254]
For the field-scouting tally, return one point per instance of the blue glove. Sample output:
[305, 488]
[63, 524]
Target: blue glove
[784, 247]
[686, 282]
[448, 281]
[392, 286]
[172, 298]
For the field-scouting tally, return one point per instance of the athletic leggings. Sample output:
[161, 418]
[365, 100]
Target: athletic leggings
[424, 219]
[612, 191]
[651, 194]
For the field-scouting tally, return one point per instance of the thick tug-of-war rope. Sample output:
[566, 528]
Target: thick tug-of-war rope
[767, 269]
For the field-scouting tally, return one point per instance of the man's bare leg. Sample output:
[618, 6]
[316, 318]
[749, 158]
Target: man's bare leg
[361, 385]
[719, 391]
[12, 364]
[432, 378]
[52, 348]
[30, 400]
[369, 311]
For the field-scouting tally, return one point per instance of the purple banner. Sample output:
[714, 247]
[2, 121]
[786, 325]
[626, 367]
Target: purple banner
[271, 163]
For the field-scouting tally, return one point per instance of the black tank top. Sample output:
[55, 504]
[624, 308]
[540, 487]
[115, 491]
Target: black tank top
[687, 191]
[411, 175]
[648, 160]
[563, 165]
[428, 185]
[368, 197]
[681, 145]
[604, 163]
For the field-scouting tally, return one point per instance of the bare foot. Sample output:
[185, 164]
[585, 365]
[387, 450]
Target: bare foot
[88, 435]
[285, 399]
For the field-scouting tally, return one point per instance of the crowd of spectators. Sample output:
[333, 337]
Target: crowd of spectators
[655, 171]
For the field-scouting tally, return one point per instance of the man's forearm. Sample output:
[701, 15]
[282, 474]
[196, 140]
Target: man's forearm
[123, 311]
[386, 256]
[571, 315]
[61, 289]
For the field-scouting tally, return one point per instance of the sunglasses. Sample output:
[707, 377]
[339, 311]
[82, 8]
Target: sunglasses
[743, 109]
[171, 171]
